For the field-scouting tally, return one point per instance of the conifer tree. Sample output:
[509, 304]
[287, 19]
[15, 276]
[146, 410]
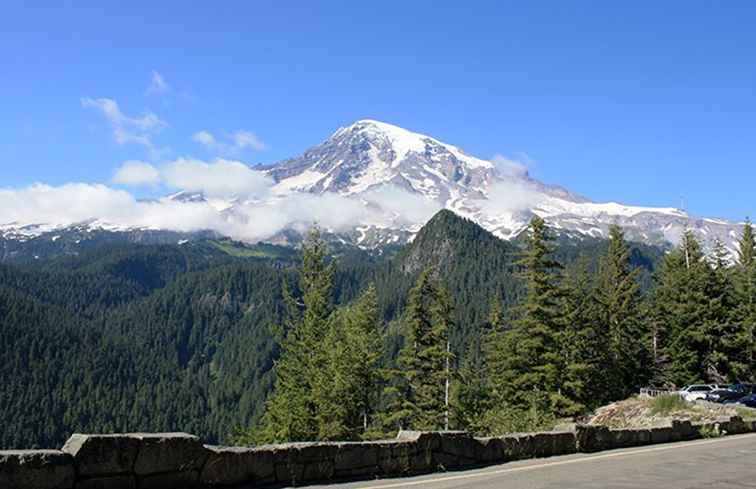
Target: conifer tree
[619, 318]
[473, 390]
[743, 341]
[680, 306]
[363, 344]
[291, 412]
[719, 327]
[423, 373]
[528, 369]
[583, 348]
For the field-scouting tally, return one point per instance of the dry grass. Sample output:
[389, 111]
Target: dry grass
[638, 412]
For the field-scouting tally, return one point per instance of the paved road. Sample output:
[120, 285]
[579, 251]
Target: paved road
[716, 463]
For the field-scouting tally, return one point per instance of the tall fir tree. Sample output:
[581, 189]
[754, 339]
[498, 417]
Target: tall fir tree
[583, 347]
[680, 304]
[473, 390]
[421, 381]
[620, 322]
[346, 386]
[529, 367]
[291, 412]
[743, 342]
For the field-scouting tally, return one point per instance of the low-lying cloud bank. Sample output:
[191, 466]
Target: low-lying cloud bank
[258, 211]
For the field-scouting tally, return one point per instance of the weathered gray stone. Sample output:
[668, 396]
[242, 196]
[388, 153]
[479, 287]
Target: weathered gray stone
[318, 471]
[445, 461]
[289, 473]
[661, 435]
[737, 425]
[187, 479]
[517, 446]
[553, 443]
[425, 440]
[461, 445]
[295, 462]
[624, 438]
[394, 456]
[682, 430]
[114, 482]
[590, 438]
[36, 469]
[227, 466]
[168, 452]
[490, 450]
[550, 443]
[102, 454]
[354, 456]
[312, 452]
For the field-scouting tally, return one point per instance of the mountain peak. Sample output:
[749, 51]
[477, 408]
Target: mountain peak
[403, 142]
[447, 237]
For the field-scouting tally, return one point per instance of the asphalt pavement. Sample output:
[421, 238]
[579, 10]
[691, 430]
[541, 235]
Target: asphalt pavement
[711, 463]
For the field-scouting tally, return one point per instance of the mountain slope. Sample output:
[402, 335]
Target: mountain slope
[373, 184]
[502, 198]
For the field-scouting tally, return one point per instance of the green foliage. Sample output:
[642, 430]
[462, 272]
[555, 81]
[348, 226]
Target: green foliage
[348, 383]
[179, 338]
[741, 341]
[618, 308]
[710, 431]
[294, 412]
[667, 404]
[530, 417]
[700, 326]
[529, 368]
[419, 384]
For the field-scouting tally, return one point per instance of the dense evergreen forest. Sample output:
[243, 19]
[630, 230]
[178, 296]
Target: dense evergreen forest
[184, 338]
[573, 341]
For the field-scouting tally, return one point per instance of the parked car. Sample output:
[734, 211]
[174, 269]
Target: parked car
[749, 401]
[724, 395]
[696, 391]
[733, 393]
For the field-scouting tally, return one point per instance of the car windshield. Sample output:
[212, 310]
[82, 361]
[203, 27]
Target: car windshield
[700, 388]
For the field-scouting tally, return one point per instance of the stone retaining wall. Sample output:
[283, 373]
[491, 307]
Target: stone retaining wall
[179, 460]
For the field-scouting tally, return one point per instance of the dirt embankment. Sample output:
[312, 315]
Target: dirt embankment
[646, 412]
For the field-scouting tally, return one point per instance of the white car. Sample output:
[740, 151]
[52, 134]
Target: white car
[696, 391]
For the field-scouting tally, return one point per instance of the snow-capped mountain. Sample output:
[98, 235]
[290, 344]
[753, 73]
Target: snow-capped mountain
[369, 154]
[373, 183]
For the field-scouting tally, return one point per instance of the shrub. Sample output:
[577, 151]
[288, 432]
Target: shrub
[710, 431]
[667, 404]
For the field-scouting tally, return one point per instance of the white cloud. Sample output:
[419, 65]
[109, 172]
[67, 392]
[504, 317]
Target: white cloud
[246, 139]
[138, 130]
[219, 178]
[204, 138]
[158, 85]
[509, 167]
[137, 173]
[409, 207]
[510, 197]
[78, 202]
[233, 144]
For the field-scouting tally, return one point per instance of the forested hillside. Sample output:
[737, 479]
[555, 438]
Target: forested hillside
[163, 338]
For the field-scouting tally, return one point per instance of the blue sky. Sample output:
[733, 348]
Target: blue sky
[642, 102]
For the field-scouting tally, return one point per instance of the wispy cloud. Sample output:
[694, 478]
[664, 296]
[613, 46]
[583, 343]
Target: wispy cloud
[137, 173]
[138, 130]
[158, 85]
[231, 144]
[246, 139]
[205, 138]
[511, 167]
